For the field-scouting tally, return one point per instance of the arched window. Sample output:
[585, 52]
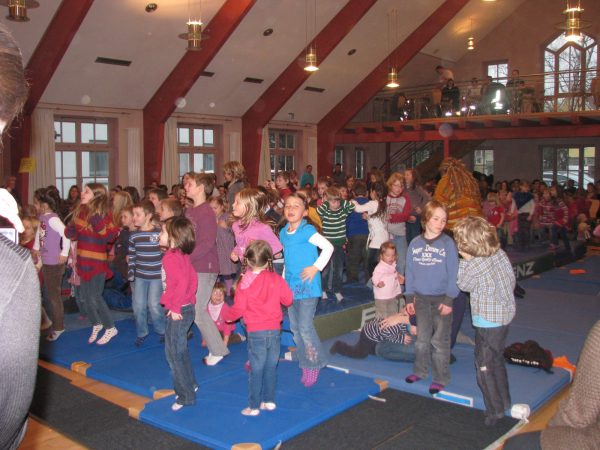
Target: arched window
[569, 68]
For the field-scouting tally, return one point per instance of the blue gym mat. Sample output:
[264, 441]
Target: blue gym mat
[560, 279]
[152, 371]
[215, 420]
[73, 346]
[527, 385]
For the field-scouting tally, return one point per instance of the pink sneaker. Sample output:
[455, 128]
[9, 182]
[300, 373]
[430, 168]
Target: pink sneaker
[108, 335]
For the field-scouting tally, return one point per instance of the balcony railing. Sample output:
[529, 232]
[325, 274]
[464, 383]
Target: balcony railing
[564, 91]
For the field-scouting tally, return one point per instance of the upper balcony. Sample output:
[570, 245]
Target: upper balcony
[552, 104]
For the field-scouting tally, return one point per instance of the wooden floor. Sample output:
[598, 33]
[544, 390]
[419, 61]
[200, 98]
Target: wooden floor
[40, 436]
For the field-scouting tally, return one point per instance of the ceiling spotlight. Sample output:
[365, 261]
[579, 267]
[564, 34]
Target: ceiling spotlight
[268, 32]
[151, 7]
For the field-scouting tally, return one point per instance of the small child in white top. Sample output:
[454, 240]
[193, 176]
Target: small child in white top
[387, 281]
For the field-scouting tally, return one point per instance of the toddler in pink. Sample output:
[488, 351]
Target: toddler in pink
[387, 282]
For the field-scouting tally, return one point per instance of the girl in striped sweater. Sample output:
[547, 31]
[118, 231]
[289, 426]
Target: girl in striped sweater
[92, 227]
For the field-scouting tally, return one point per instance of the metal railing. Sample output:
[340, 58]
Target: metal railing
[561, 91]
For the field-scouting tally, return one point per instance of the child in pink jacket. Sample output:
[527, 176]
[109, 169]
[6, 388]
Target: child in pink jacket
[387, 281]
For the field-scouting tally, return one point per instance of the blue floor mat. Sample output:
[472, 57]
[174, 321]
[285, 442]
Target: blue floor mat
[152, 371]
[73, 346]
[527, 385]
[215, 420]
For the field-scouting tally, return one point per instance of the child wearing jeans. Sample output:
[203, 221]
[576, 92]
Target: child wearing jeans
[334, 213]
[145, 265]
[431, 270]
[386, 282]
[178, 298]
[487, 274]
[258, 297]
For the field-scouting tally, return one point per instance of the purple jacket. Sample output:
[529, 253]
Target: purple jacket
[205, 258]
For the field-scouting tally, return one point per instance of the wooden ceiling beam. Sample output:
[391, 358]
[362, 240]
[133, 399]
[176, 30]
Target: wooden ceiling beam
[343, 112]
[39, 71]
[182, 78]
[290, 80]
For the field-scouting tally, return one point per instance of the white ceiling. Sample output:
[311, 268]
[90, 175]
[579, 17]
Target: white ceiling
[122, 29]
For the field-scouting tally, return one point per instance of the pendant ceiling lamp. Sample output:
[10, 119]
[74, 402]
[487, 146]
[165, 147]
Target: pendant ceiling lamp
[574, 23]
[392, 22]
[311, 49]
[471, 39]
[17, 9]
[194, 26]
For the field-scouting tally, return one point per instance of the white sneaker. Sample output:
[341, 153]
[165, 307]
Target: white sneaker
[176, 406]
[324, 296]
[95, 330]
[250, 412]
[107, 336]
[269, 406]
[54, 335]
[212, 360]
[339, 297]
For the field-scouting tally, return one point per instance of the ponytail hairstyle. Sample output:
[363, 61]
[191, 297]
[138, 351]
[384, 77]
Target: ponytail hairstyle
[258, 254]
[120, 201]
[48, 196]
[381, 190]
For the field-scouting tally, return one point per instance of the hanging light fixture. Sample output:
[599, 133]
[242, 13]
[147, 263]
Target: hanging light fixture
[194, 27]
[311, 50]
[574, 23]
[471, 39]
[392, 39]
[17, 11]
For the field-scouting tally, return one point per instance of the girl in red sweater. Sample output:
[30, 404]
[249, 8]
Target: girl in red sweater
[259, 293]
[179, 297]
[93, 229]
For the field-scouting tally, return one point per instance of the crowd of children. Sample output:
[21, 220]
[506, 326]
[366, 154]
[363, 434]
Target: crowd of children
[283, 244]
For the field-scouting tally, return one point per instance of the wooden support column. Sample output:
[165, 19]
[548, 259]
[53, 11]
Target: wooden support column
[343, 112]
[446, 147]
[182, 78]
[289, 81]
[39, 71]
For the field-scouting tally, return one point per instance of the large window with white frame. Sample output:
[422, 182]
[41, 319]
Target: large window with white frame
[569, 162]
[83, 150]
[569, 68]
[338, 157]
[197, 147]
[359, 163]
[283, 149]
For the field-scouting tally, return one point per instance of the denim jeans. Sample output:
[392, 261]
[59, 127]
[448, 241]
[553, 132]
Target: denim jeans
[178, 356]
[490, 369]
[207, 327]
[372, 261]
[459, 305]
[263, 353]
[357, 256]
[334, 270]
[396, 352]
[413, 229]
[308, 345]
[433, 339]
[401, 248]
[94, 305]
[53, 274]
[147, 297]
[556, 232]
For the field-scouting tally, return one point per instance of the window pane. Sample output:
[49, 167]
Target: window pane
[290, 141]
[281, 162]
[589, 164]
[184, 163]
[57, 133]
[502, 70]
[209, 137]
[86, 165]
[87, 133]
[58, 164]
[67, 183]
[183, 136]
[68, 132]
[198, 162]
[101, 133]
[198, 139]
[69, 164]
[282, 140]
[59, 186]
[88, 181]
[101, 165]
[562, 159]
[271, 140]
[209, 163]
[289, 163]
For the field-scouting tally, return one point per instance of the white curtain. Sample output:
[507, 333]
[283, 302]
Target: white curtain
[134, 158]
[264, 169]
[42, 150]
[170, 161]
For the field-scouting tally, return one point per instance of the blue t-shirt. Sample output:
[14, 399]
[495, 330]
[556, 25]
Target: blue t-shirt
[355, 224]
[298, 254]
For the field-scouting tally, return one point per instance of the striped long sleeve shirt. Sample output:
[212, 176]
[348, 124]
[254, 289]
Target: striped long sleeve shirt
[334, 222]
[145, 257]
